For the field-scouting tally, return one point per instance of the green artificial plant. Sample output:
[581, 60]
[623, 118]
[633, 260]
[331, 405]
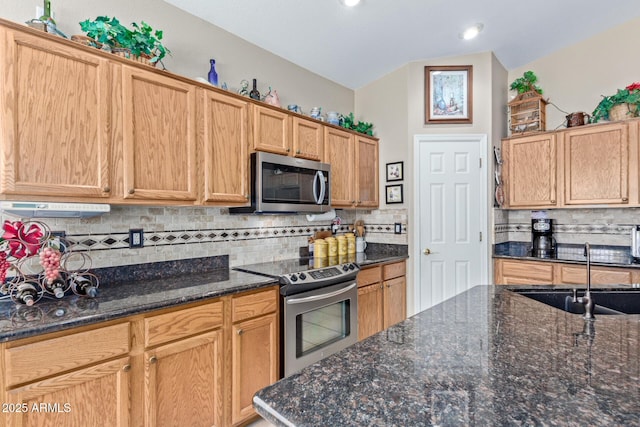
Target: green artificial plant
[348, 122]
[526, 83]
[629, 95]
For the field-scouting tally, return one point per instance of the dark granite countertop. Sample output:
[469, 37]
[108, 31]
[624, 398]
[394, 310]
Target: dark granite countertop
[487, 357]
[602, 255]
[130, 290]
[121, 300]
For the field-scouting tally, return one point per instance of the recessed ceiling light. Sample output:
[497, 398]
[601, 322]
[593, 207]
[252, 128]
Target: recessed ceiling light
[472, 32]
[350, 3]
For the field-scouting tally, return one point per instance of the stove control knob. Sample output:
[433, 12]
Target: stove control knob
[352, 267]
[293, 278]
[302, 276]
[345, 267]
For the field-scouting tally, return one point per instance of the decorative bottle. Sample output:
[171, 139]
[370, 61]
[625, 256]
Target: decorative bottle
[254, 94]
[213, 75]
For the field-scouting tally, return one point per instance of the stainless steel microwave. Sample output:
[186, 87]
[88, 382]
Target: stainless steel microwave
[281, 184]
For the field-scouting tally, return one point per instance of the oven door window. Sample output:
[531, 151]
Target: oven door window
[322, 327]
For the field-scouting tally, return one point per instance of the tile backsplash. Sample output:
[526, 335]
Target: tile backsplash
[598, 226]
[174, 233]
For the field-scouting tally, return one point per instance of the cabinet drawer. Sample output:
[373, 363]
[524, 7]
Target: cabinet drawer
[182, 323]
[576, 275]
[534, 271]
[390, 271]
[48, 357]
[370, 275]
[252, 305]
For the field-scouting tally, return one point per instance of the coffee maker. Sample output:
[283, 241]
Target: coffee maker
[543, 243]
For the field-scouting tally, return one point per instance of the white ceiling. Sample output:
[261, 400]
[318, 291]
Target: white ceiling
[355, 46]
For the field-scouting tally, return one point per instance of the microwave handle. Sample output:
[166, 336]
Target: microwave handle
[323, 187]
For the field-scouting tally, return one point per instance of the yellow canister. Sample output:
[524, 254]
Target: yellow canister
[320, 248]
[332, 246]
[342, 244]
[321, 262]
[351, 243]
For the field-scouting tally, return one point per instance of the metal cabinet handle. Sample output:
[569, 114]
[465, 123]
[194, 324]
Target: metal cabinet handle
[126, 368]
[298, 151]
[153, 359]
[625, 199]
[106, 189]
[553, 202]
[427, 251]
[240, 332]
[131, 191]
[288, 149]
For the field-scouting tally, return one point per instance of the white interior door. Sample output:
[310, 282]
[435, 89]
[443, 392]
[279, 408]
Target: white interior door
[451, 216]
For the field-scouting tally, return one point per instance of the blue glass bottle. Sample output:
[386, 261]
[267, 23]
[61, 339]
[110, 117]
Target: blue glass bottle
[213, 75]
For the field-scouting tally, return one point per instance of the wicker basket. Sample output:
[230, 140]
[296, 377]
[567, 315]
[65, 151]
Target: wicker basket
[87, 41]
[623, 112]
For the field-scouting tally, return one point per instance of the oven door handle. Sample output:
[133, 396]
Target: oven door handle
[321, 297]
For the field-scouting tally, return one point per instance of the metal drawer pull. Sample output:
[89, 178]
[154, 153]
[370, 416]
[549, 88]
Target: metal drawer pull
[153, 359]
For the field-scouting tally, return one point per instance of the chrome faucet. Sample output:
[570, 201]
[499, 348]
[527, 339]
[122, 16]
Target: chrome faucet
[586, 299]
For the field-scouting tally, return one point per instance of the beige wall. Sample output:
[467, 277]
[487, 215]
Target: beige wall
[574, 78]
[193, 42]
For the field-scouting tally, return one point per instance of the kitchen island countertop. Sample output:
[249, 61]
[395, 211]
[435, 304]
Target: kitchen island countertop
[485, 357]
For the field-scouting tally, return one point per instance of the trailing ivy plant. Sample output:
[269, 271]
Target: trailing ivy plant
[348, 122]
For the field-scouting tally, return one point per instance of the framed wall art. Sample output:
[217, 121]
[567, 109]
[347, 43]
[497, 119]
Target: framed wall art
[448, 94]
[394, 194]
[395, 171]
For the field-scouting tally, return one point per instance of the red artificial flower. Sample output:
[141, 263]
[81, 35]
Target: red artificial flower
[23, 241]
[633, 86]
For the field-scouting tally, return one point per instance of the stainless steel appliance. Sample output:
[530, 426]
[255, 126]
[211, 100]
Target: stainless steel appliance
[287, 184]
[635, 243]
[543, 243]
[319, 312]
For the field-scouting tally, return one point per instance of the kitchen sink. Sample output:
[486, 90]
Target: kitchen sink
[606, 301]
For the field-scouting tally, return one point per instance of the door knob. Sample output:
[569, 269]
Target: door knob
[427, 251]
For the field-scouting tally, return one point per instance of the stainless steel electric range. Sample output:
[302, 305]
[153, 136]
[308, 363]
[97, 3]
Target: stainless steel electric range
[319, 312]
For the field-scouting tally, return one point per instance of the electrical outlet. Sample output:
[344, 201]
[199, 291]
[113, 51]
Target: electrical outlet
[397, 228]
[136, 237]
[61, 239]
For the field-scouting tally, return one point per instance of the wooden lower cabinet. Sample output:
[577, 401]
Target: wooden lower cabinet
[382, 298]
[515, 272]
[184, 382]
[197, 365]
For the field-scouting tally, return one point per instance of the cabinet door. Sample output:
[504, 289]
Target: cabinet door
[339, 152]
[370, 313]
[223, 124]
[271, 130]
[55, 131]
[255, 362]
[159, 136]
[95, 396]
[367, 172]
[395, 301]
[530, 166]
[308, 139]
[596, 165]
[184, 382]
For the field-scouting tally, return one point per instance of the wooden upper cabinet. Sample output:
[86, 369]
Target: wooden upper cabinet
[159, 136]
[366, 172]
[596, 164]
[56, 119]
[223, 141]
[530, 171]
[308, 139]
[339, 152]
[270, 130]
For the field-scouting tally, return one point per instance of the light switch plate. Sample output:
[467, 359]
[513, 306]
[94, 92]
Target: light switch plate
[397, 228]
[136, 238]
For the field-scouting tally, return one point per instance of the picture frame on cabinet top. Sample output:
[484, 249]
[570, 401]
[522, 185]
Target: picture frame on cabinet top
[448, 94]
